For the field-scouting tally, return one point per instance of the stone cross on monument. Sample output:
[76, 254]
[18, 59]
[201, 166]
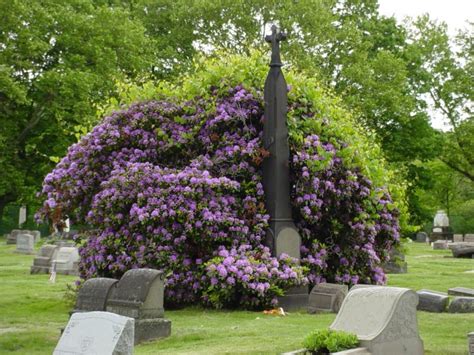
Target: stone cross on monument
[282, 236]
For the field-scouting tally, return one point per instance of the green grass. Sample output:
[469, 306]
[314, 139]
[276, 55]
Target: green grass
[32, 312]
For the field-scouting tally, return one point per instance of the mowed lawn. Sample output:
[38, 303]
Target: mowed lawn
[32, 312]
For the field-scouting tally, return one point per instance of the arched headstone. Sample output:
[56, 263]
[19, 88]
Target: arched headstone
[139, 295]
[383, 318]
[93, 295]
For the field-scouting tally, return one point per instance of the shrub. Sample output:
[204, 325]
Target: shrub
[175, 183]
[327, 340]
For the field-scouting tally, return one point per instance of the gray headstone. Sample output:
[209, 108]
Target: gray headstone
[440, 245]
[42, 261]
[97, 333]
[462, 305]
[461, 291]
[458, 238]
[421, 237]
[139, 295]
[66, 261]
[36, 234]
[465, 250]
[25, 243]
[288, 241]
[326, 297]
[470, 343]
[93, 294]
[469, 238]
[383, 318]
[430, 301]
[396, 264]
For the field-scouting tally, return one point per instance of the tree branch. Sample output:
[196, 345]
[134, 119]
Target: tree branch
[458, 169]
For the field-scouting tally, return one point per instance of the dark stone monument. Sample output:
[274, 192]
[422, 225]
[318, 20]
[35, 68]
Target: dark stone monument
[432, 301]
[462, 305]
[463, 250]
[139, 295]
[326, 297]
[93, 295]
[282, 236]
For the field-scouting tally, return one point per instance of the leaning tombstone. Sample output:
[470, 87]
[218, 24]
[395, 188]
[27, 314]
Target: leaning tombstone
[42, 261]
[421, 237]
[326, 297]
[383, 318]
[25, 244]
[93, 294]
[432, 301]
[97, 333]
[139, 295]
[66, 261]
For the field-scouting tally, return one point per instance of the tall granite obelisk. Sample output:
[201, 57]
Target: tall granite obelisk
[282, 236]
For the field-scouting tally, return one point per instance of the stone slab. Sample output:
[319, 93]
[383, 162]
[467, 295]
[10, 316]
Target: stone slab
[150, 329]
[42, 260]
[458, 238]
[295, 299]
[469, 238]
[96, 333]
[432, 301]
[326, 297]
[462, 305]
[25, 244]
[440, 245]
[465, 250]
[383, 318]
[470, 343]
[461, 291]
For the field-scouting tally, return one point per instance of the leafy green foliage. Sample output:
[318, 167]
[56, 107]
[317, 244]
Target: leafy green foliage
[327, 340]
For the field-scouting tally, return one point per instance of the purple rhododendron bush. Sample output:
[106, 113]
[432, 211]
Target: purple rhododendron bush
[175, 183]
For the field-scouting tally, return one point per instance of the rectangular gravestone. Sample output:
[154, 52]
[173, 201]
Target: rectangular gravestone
[139, 294]
[42, 261]
[326, 297]
[66, 261]
[11, 238]
[25, 244]
[458, 238]
[98, 333]
[461, 291]
[36, 234]
[469, 238]
[432, 301]
[470, 343]
[440, 245]
[421, 237]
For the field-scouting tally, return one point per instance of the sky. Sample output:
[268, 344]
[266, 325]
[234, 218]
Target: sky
[454, 12]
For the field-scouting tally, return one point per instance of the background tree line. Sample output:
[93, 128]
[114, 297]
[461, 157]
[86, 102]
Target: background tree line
[61, 61]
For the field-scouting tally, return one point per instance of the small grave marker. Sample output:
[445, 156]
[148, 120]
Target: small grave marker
[42, 261]
[25, 243]
[97, 333]
[432, 301]
[326, 297]
[461, 291]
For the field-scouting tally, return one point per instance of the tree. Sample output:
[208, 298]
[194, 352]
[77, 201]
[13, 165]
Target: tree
[58, 60]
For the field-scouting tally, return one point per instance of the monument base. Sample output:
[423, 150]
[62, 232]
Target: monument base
[295, 299]
[150, 329]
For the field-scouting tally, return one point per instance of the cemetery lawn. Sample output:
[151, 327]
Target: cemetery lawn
[32, 311]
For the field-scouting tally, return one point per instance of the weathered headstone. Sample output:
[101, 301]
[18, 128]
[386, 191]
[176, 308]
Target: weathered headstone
[326, 297]
[100, 333]
[470, 343]
[440, 245]
[36, 234]
[421, 237]
[25, 244]
[66, 261]
[396, 264]
[11, 237]
[458, 238]
[462, 305]
[469, 238]
[461, 291]
[139, 295]
[42, 261]
[383, 318]
[432, 301]
[93, 294]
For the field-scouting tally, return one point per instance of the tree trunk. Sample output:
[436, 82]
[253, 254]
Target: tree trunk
[4, 201]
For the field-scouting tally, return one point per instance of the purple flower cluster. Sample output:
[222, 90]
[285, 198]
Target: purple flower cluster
[178, 187]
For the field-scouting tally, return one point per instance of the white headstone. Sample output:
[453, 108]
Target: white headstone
[383, 318]
[441, 219]
[66, 259]
[66, 226]
[100, 333]
[25, 243]
[22, 216]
